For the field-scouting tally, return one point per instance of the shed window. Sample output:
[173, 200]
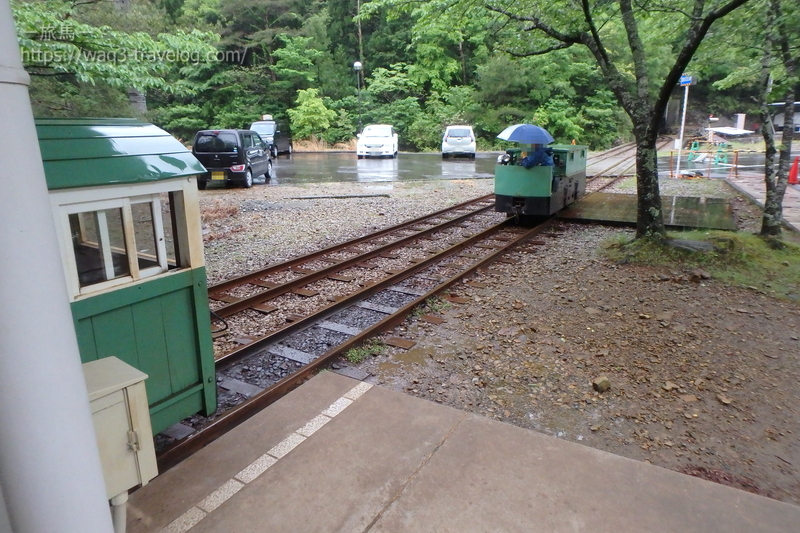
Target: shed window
[98, 241]
[127, 239]
[145, 235]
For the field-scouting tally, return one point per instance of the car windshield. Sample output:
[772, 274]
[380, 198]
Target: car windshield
[378, 131]
[215, 142]
[264, 129]
[458, 132]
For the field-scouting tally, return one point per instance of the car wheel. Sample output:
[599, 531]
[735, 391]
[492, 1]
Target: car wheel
[289, 151]
[273, 152]
[268, 173]
[248, 179]
[201, 185]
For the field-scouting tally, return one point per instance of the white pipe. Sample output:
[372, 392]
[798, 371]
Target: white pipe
[50, 469]
[119, 514]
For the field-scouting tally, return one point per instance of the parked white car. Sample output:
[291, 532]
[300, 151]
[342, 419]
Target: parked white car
[377, 140]
[458, 140]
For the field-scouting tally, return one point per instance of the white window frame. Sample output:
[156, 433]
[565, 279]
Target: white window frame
[158, 226]
[98, 207]
[187, 233]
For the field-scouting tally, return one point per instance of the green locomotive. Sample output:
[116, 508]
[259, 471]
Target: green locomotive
[538, 179]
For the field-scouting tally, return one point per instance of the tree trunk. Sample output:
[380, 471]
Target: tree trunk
[772, 210]
[776, 182]
[136, 98]
[463, 61]
[650, 218]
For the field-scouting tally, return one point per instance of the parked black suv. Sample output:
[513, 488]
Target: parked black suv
[231, 156]
[274, 134]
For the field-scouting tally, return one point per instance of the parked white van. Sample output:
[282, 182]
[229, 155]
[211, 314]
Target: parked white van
[377, 140]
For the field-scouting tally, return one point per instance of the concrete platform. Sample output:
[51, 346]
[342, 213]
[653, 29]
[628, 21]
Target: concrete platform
[752, 185]
[339, 455]
[680, 212]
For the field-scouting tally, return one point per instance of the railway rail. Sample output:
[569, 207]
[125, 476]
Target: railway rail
[622, 166]
[354, 291]
[273, 328]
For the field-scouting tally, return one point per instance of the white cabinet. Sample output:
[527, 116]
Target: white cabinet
[122, 424]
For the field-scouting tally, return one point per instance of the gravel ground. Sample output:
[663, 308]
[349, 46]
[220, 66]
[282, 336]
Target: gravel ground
[703, 377]
[269, 226]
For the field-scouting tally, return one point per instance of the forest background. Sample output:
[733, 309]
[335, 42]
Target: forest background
[223, 63]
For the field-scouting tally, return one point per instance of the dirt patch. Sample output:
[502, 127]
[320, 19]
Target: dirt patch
[703, 377]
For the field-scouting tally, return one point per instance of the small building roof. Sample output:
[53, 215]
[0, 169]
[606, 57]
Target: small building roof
[90, 152]
[728, 130]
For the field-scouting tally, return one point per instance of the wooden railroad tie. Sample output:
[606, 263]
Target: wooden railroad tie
[432, 319]
[264, 308]
[305, 292]
[224, 298]
[399, 343]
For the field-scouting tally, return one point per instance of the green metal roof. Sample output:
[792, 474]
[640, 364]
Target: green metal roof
[88, 152]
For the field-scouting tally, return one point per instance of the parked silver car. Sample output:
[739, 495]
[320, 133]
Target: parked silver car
[458, 141]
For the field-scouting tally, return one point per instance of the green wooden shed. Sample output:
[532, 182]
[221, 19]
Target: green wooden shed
[124, 199]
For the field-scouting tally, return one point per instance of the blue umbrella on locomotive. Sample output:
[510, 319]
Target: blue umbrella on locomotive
[533, 140]
[526, 134]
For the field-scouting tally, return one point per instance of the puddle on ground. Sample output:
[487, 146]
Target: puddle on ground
[388, 368]
[405, 360]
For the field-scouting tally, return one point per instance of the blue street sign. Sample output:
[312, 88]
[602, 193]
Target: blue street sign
[686, 80]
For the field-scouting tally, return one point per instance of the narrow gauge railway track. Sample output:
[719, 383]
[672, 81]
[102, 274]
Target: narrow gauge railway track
[259, 301]
[614, 152]
[260, 372]
[618, 170]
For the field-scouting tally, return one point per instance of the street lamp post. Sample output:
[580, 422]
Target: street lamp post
[357, 66]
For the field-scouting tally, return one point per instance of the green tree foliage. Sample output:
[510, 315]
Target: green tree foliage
[54, 42]
[558, 117]
[426, 64]
[310, 117]
[55, 97]
[296, 60]
[768, 67]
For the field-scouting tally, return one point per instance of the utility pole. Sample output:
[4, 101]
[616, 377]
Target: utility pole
[357, 66]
